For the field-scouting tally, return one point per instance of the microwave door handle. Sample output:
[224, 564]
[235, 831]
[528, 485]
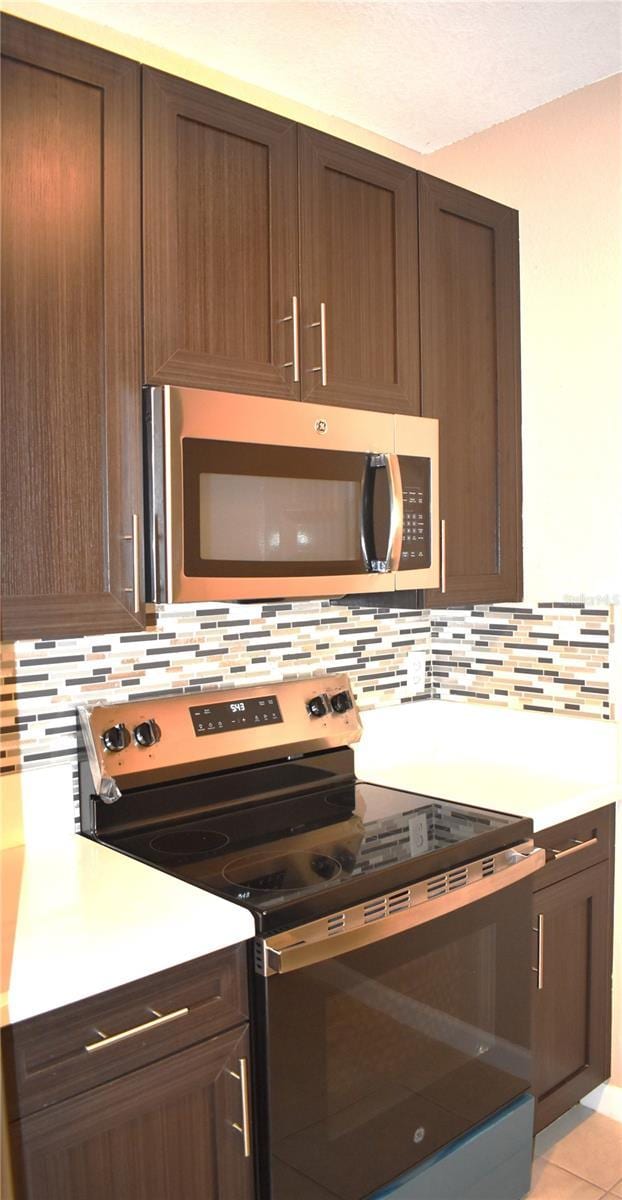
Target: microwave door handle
[367, 513]
[396, 513]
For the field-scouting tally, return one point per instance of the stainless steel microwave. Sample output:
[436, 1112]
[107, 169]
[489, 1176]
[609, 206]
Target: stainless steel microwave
[252, 499]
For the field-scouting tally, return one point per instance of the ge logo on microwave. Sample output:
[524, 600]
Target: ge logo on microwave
[419, 1135]
[321, 425]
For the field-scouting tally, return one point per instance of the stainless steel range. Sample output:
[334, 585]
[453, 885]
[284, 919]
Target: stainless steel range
[391, 967]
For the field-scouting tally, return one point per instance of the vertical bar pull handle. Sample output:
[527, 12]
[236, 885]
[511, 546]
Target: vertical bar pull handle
[321, 325]
[134, 538]
[443, 555]
[295, 361]
[245, 1127]
[539, 970]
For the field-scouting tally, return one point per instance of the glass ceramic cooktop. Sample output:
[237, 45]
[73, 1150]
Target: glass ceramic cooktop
[270, 855]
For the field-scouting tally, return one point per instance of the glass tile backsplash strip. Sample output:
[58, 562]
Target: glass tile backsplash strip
[550, 657]
[197, 647]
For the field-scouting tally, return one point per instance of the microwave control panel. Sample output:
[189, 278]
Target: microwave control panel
[416, 541]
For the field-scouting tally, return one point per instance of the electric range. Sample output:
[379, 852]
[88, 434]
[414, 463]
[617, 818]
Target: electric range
[391, 966]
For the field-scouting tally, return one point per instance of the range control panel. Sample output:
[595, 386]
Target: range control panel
[170, 737]
[244, 713]
[416, 547]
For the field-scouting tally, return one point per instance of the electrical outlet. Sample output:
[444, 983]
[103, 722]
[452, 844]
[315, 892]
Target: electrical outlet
[415, 665]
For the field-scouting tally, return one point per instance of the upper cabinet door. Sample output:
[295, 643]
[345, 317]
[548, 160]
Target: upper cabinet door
[220, 241]
[359, 316]
[71, 444]
[470, 380]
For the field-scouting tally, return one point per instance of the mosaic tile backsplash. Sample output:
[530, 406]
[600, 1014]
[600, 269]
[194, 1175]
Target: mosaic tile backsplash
[196, 647]
[549, 657]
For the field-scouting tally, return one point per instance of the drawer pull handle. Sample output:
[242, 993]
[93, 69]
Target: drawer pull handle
[245, 1127]
[577, 845]
[110, 1039]
[539, 970]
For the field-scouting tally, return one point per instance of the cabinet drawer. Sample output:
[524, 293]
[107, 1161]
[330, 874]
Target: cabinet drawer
[62, 1053]
[575, 844]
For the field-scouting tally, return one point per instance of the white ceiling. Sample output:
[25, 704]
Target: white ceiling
[422, 72]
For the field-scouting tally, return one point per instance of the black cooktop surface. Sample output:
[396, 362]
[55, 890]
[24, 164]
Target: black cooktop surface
[302, 856]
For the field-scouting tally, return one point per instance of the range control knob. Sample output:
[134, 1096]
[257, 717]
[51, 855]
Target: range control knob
[341, 702]
[116, 738]
[147, 733]
[317, 707]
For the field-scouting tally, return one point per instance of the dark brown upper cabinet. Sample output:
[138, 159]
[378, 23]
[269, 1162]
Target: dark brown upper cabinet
[470, 380]
[71, 434]
[358, 253]
[220, 241]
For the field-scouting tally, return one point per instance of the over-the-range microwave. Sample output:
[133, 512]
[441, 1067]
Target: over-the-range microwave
[251, 498]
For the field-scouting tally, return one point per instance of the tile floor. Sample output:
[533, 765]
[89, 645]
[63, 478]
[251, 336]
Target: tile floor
[578, 1157]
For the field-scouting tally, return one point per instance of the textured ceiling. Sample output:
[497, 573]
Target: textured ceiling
[422, 73]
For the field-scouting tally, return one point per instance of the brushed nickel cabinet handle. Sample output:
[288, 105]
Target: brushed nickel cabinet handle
[443, 555]
[134, 538]
[245, 1127]
[112, 1039]
[578, 845]
[539, 970]
[321, 325]
[295, 361]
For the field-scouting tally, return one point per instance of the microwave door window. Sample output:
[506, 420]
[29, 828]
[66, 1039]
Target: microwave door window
[276, 511]
[254, 518]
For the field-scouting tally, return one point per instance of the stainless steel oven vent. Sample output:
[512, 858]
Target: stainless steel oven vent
[488, 866]
[336, 923]
[375, 910]
[449, 882]
[398, 901]
[457, 878]
[384, 906]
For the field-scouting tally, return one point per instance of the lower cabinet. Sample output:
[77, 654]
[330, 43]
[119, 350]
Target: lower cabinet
[164, 1132]
[573, 923]
[134, 1095]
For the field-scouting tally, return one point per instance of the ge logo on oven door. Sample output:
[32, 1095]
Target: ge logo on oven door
[418, 1135]
[321, 425]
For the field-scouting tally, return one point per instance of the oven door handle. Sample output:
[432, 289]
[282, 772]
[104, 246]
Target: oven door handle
[378, 919]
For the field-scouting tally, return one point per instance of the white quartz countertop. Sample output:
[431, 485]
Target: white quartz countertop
[549, 768]
[79, 918]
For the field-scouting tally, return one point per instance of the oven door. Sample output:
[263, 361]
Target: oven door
[378, 1057]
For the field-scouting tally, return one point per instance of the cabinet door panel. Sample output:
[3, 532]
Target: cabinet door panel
[220, 228]
[572, 1009]
[470, 381]
[71, 459]
[160, 1133]
[359, 258]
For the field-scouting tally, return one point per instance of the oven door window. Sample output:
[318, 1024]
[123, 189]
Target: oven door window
[263, 511]
[382, 1056]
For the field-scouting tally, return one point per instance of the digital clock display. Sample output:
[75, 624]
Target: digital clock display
[235, 714]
